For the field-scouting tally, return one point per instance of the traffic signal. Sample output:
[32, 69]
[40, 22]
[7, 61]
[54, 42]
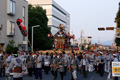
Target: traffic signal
[89, 37]
[109, 28]
[117, 41]
[101, 29]
[22, 27]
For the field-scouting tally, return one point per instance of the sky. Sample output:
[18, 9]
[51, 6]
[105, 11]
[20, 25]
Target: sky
[88, 15]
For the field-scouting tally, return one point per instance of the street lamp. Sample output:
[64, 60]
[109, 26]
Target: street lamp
[32, 34]
[101, 29]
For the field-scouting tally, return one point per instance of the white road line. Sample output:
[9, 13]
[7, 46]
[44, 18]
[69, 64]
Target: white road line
[108, 76]
[92, 77]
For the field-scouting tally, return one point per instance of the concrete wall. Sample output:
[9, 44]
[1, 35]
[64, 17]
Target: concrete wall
[4, 18]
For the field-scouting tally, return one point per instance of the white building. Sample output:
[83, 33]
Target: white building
[55, 13]
[83, 39]
[10, 11]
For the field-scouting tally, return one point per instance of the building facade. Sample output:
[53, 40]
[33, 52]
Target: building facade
[10, 11]
[55, 13]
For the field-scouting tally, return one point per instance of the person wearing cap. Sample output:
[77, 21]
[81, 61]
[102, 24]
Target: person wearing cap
[107, 63]
[38, 65]
[101, 64]
[54, 65]
[72, 66]
[47, 60]
[115, 59]
[61, 65]
[19, 68]
[119, 55]
[84, 64]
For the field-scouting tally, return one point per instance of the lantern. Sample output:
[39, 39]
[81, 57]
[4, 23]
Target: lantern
[48, 35]
[73, 36]
[22, 27]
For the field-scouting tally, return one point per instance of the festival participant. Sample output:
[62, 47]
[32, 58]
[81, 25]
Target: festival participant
[84, 63]
[107, 63]
[30, 64]
[115, 59]
[96, 62]
[61, 65]
[91, 61]
[7, 60]
[80, 57]
[47, 60]
[19, 69]
[38, 66]
[101, 64]
[1, 63]
[72, 65]
[54, 65]
[66, 59]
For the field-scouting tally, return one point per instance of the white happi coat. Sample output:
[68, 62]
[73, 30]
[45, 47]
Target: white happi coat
[16, 62]
[39, 61]
[107, 64]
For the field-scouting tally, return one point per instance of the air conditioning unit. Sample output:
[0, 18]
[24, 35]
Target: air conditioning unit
[24, 42]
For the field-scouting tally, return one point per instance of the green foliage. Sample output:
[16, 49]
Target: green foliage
[88, 48]
[37, 16]
[117, 19]
[83, 47]
[11, 47]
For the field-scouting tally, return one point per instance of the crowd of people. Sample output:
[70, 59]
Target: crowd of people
[74, 62]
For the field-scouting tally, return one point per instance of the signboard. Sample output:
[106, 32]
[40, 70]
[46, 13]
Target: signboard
[117, 30]
[115, 69]
[118, 34]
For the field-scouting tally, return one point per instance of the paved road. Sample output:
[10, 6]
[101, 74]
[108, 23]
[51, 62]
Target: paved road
[91, 76]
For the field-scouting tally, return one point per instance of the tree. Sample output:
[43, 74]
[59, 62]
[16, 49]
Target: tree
[88, 48]
[82, 47]
[11, 47]
[117, 19]
[37, 16]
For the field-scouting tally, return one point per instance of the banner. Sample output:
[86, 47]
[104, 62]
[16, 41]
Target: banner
[116, 69]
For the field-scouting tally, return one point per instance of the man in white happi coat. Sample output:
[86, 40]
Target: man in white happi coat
[107, 63]
[91, 62]
[73, 64]
[84, 64]
[19, 68]
[38, 66]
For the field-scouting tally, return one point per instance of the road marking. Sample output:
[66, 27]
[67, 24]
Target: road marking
[92, 77]
[109, 76]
